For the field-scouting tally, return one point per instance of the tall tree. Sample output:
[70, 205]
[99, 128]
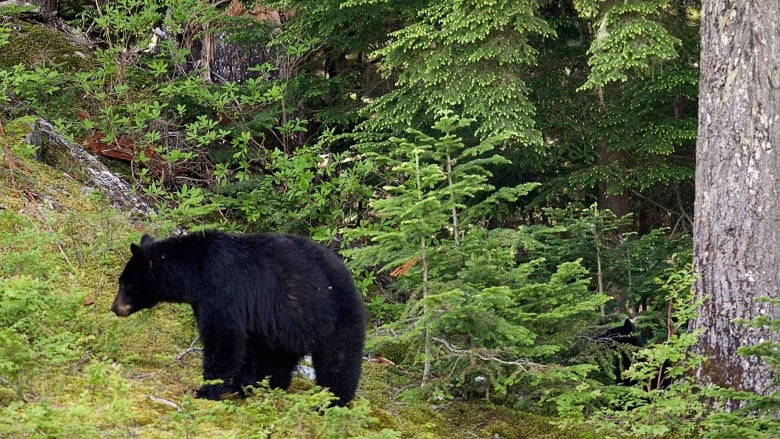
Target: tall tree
[737, 207]
[469, 56]
[634, 64]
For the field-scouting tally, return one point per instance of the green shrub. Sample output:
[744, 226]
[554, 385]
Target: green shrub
[39, 330]
[647, 409]
[474, 318]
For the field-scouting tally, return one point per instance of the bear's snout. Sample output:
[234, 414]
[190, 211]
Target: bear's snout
[121, 308]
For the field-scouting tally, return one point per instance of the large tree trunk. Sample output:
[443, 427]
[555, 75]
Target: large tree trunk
[47, 8]
[230, 60]
[737, 208]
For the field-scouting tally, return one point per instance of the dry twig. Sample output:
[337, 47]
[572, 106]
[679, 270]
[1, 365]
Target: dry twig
[189, 350]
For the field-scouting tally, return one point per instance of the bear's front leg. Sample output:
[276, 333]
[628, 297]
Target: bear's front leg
[224, 352]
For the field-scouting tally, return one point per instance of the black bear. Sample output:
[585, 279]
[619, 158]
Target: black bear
[624, 340]
[622, 335]
[261, 301]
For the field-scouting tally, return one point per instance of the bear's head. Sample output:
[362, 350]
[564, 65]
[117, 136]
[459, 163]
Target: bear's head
[626, 334]
[136, 287]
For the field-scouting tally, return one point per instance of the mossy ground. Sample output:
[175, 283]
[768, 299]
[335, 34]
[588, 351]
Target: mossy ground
[122, 377]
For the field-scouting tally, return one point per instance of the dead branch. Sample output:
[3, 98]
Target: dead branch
[189, 350]
[164, 401]
[524, 365]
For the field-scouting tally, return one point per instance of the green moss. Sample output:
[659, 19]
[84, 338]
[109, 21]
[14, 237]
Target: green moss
[394, 350]
[40, 190]
[16, 131]
[34, 44]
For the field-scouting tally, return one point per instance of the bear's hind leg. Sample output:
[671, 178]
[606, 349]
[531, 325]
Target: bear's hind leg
[339, 371]
[279, 367]
[263, 363]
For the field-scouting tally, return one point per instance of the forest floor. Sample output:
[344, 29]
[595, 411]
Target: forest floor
[70, 368]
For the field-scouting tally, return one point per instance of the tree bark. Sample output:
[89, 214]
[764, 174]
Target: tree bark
[617, 203]
[737, 206]
[47, 8]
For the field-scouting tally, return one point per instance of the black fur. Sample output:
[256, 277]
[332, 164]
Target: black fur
[625, 335]
[261, 302]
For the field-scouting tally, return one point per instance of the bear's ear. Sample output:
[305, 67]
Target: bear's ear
[136, 250]
[146, 239]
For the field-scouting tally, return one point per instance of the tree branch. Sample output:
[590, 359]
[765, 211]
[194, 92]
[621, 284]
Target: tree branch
[524, 365]
[190, 349]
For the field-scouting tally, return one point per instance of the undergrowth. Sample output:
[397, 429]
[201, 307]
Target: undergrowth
[70, 368]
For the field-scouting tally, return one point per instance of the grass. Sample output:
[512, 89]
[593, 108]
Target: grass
[70, 368]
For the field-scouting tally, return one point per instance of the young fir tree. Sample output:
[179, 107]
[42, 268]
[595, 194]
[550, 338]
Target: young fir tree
[471, 306]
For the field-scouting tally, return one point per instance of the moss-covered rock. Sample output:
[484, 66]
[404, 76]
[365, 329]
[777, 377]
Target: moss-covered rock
[32, 45]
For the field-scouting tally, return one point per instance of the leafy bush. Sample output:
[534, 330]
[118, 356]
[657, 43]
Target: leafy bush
[179, 130]
[665, 401]
[624, 264]
[681, 409]
[36, 335]
[308, 192]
